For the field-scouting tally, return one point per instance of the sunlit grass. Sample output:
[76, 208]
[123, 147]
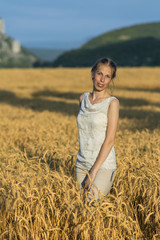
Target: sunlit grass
[39, 196]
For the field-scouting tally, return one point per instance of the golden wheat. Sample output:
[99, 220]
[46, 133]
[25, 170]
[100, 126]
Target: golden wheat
[39, 196]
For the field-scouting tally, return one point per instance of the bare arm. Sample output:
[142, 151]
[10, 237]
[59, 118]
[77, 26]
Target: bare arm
[113, 117]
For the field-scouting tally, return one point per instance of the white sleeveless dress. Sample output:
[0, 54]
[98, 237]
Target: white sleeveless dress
[92, 125]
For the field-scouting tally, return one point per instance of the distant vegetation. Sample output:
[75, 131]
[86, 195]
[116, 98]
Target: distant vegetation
[125, 34]
[138, 52]
[137, 45]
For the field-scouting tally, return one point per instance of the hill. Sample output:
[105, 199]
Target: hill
[12, 54]
[138, 45]
[125, 34]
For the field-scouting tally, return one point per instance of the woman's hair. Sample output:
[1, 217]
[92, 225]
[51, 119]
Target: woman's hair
[106, 61]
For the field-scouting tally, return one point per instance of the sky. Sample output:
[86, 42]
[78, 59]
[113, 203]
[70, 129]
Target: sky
[67, 24]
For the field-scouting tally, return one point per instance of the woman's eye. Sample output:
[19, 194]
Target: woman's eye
[108, 76]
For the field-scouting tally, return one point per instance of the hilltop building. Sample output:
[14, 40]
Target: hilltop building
[12, 54]
[2, 26]
[15, 45]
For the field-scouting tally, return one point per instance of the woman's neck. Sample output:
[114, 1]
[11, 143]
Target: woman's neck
[99, 95]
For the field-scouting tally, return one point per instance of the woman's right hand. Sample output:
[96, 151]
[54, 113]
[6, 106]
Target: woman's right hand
[89, 180]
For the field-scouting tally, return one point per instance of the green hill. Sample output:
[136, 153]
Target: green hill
[125, 34]
[138, 45]
[12, 54]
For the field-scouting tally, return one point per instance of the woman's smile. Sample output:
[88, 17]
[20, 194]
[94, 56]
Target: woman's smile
[100, 85]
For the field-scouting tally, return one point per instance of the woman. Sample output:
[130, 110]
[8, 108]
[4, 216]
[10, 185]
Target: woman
[97, 123]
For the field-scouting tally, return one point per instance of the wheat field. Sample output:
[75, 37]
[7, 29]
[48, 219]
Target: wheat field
[39, 196]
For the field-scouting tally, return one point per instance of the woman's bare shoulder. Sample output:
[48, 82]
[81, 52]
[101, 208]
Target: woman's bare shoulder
[114, 103]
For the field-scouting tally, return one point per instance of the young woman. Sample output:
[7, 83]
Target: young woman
[97, 123]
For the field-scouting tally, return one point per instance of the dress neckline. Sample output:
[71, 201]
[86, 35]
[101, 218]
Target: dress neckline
[98, 102]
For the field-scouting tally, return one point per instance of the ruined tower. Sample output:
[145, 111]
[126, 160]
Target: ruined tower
[2, 26]
[16, 47]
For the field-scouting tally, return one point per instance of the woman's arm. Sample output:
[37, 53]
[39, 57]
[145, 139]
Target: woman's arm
[113, 117]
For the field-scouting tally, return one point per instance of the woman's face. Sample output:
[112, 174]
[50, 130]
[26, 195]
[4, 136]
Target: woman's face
[102, 77]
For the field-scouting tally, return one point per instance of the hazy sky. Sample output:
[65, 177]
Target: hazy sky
[70, 23]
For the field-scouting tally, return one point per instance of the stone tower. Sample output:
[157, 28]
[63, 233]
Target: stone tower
[2, 26]
[16, 47]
